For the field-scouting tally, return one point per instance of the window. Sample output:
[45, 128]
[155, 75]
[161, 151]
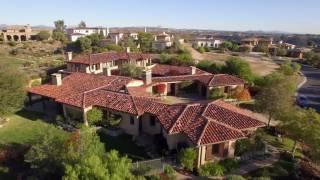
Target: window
[152, 121]
[215, 149]
[131, 120]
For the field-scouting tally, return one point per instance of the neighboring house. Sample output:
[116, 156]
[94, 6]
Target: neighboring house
[210, 42]
[105, 62]
[75, 33]
[253, 42]
[287, 46]
[212, 127]
[162, 41]
[18, 33]
[298, 52]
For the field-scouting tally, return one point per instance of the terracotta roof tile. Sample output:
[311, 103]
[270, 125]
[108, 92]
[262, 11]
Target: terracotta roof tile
[169, 70]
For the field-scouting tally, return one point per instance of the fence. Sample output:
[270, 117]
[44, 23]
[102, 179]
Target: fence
[153, 166]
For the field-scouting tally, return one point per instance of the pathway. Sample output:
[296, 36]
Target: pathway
[257, 163]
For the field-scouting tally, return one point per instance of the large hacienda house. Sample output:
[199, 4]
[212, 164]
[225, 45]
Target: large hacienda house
[212, 127]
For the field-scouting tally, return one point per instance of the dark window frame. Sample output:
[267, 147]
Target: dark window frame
[131, 120]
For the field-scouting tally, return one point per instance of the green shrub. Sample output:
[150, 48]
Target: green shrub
[229, 165]
[187, 157]
[242, 146]
[94, 116]
[216, 93]
[43, 35]
[201, 50]
[170, 172]
[211, 169]
[12, 43]
[204, 65]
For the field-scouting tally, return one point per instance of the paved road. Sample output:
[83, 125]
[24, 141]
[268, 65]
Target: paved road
[311, 89]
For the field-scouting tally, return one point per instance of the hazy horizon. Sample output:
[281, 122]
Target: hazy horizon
[245, 15]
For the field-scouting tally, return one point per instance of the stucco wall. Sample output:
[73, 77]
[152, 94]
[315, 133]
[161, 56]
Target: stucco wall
[174, 139]
[147, 127]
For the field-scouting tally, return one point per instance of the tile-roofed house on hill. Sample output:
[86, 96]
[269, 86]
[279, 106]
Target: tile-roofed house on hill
[105, 62]
[212, 127]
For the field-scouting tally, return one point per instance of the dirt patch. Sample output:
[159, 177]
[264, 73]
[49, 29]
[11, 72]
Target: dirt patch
[260, 65]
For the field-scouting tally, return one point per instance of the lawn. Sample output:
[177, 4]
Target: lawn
[25, 128]
[124, 145]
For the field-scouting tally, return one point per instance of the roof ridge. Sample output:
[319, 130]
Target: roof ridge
[189, 75]
[134, 104]
[203, 130]
[184, 110]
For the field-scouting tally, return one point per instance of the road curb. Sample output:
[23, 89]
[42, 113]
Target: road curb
[303, 82]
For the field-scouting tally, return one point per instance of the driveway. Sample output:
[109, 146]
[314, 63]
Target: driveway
[311, 89]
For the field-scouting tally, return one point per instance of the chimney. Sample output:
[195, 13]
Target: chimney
[107, 70]
[193, 70]
[128, 49]
[117, 39]
[56, 79]
[69, 56]
[147, 76]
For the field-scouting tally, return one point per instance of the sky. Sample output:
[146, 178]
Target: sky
[297, 16]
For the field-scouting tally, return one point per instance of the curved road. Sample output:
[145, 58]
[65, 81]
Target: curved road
[311, 89]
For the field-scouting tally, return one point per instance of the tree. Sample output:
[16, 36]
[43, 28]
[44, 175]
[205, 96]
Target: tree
[130, 70]
[94, 116]
[187, 157]
[245, 49]
[227, 45]
[59, 36]
[12, 89]
[204, 65]
[130, 42]
[82, 24]
[58, 32]
[43, 35]
[281, 52]
[59, 26]
[84, 44]
[46, 155]
[276, 96]
[165, 58]
[239, 67]
[114, 47]
[86, 159]
[216, 93]
[145, 40]
[261, 48]
[183, 59]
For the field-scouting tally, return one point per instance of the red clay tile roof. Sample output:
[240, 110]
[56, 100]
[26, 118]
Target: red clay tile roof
[169, 70]
[202, 122]
[78, 83]
[108, 56]
[211, 80]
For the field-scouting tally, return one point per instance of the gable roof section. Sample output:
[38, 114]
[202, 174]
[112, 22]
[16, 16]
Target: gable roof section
[169, 70]
[211, 80]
